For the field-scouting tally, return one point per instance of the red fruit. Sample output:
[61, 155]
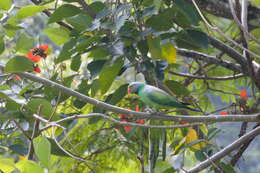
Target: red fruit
[223, 113]
[129, 91]
[243, 94]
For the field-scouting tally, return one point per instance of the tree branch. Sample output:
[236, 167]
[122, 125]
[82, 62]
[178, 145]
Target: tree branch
[74, 117]
[206, 77]
[225, 151]
[209, 58]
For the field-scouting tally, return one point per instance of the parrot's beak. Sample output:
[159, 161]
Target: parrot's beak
[129, 91]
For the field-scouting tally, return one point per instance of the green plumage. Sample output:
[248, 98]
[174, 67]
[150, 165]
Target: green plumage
[155, 97]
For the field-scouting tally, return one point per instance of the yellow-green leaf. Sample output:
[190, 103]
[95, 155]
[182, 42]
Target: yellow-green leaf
[193, 136]
[169, 52]
[154, 47]
[7, 165]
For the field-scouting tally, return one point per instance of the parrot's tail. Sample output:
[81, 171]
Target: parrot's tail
[192, 109]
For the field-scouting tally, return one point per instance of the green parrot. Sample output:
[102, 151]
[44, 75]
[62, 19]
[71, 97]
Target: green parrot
[155, 97]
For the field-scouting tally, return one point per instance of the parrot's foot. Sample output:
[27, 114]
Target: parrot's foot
[150, 110]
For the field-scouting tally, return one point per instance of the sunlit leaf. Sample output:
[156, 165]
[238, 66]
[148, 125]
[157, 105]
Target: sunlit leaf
[40, 106]
[7, 165]
[18, 64]
[42, 148]
[169, 52]
[63, 12]
[29, 166]
[5, 4]
[58, 35]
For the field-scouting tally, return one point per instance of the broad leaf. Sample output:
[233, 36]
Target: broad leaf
[154, 47]
[42, 105]
[5, 4]
[99, 53]
[29, 11]
[80, 22]
[29, 166]
[7, 165]
[42, 148]
[18, 64]
[58, 35]
[108, 75]
[24, 43]
[2, 44]
[63, 12]
[75, 63]
[177, 88]
[169, 52]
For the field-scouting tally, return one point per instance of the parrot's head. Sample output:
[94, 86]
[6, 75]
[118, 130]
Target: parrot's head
[134, 87]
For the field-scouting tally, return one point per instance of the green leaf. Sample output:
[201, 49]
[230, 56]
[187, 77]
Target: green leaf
[108, 75]
[199, 38]
[2, 44]
[29, 166]
[158, 24]
[188, 10]
[45, 107]
[177, 88]
[154, 47]
[95, 67]
[169, 52]
[118, 94]
[227, 168]
[80, 22]
[99, 53]
[57, 35]
[97, 6]
[7, 165]
[29, 11]
[19, 149]
[18, 64]
[63, 12]
[5, 4]
[66, 51]
[24, 43]
[42, 148]
[75, 63]
[192, 39]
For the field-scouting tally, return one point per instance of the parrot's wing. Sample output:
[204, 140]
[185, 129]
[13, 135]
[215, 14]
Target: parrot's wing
[160, 97]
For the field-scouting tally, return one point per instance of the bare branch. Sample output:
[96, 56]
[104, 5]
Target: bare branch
[119, 122]
[206, 77]
[210, 59]
[225, 151]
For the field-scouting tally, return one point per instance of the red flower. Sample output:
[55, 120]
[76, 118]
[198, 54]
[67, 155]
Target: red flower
[126, 128]
[184, 123]
[243, 94]
[140, 121]
[37, 69]
[31, 56]
[37, 53]
[223, 113]
[16, 77]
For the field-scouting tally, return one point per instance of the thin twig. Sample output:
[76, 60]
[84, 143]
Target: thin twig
[206, 77]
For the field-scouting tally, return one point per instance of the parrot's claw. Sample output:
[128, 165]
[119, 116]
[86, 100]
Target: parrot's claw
[150, 110]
